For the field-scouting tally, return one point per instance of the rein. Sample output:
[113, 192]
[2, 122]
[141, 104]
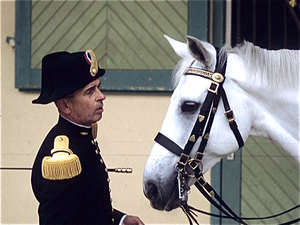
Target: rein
[193, 167]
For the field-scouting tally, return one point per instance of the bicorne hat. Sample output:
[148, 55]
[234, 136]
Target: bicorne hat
[64, 73]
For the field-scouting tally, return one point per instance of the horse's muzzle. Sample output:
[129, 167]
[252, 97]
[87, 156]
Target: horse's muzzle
[158, 200]
[152, 193]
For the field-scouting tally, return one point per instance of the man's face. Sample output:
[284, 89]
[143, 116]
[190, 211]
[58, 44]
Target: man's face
[86, 106]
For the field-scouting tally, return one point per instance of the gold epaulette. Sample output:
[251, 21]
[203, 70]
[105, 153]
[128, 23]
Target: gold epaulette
[63, 164]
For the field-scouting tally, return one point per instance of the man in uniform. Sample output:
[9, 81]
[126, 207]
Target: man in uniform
[69, 177]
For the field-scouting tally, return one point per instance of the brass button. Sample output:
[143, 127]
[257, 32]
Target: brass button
[111, 199]
[96, 151]
[101, 160]
[106, 170]
[108, 180]
[109, 190]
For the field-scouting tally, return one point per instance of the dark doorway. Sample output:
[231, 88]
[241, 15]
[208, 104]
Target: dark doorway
[270, 24]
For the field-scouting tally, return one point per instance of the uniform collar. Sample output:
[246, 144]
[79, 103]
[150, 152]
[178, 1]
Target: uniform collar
[79, 125]
[75, 128]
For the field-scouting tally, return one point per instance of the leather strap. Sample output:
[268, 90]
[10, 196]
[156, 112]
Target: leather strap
[168, 144]
[230, 118]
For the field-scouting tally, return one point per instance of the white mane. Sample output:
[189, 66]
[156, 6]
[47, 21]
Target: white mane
[278, 68]
[180, 68]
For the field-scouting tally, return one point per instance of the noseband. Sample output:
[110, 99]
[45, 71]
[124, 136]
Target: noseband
[186, 164]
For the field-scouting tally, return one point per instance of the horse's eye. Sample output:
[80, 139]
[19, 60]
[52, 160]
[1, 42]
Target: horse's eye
[189, 107]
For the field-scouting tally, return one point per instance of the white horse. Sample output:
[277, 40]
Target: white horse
[263, 91]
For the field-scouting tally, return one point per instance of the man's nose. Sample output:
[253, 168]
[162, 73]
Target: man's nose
[101, 96]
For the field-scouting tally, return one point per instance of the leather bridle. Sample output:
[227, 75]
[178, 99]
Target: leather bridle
[202, 128]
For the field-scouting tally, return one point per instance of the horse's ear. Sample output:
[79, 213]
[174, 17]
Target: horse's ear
[200, 50]
[180, 48]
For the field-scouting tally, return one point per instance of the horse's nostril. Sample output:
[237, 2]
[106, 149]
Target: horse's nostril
[151, 191]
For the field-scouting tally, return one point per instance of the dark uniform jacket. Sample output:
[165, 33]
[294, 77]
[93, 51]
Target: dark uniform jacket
[83, 199]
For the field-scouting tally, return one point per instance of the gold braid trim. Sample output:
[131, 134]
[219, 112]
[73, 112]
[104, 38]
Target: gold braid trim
[94, 63]
[94, 130]
[63, 164]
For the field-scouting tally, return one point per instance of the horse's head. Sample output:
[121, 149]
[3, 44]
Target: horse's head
[160, 176]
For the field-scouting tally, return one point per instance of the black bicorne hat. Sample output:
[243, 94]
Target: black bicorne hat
[64, 73]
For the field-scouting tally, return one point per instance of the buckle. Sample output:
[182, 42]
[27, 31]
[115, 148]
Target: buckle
[194, 164]
[229, 116]
[193, 167]
[213, 88]
[199, 156]
[201, 181]
[183, 160]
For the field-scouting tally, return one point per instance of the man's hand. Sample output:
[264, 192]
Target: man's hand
[132, 220]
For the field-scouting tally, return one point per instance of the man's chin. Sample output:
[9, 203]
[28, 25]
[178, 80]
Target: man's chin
[97, 117]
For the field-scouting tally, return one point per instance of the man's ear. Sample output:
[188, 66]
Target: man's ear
[63, 105]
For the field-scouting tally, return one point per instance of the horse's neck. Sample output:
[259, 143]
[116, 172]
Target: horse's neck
[275, 115]
[277, 118]
[275, 111]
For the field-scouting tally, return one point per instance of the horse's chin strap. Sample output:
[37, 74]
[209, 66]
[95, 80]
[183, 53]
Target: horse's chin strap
[184, 166]
[210, 194]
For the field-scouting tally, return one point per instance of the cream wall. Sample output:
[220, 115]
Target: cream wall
[126, 133]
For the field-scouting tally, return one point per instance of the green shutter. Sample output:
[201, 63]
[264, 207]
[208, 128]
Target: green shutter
[126, 36]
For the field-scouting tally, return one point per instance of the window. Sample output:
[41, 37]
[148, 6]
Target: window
[126, 36]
